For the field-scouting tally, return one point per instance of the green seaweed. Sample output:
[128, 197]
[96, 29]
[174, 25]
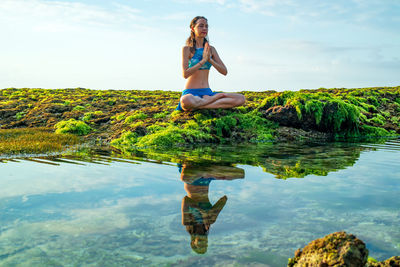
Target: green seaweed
[79, 108]
[378, 119]
[72, 126]
[315, 107]
[135, 116]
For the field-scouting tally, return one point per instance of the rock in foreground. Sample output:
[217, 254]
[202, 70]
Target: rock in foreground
[391, 262]
[337, 249]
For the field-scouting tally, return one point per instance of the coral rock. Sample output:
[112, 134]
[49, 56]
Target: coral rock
[337, 249]
[391, 262]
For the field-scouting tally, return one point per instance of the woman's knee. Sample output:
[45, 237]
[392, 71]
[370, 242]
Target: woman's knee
[187, 102]
[240, 99]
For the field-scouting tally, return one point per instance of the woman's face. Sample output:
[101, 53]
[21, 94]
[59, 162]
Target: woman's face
[201, 28]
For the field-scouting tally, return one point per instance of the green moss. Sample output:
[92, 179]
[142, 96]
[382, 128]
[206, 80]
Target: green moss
[339, 114]
[223, 125]
[173, 136]
[120, 116]
[136, 116]
[315, 107]
[175, 113]
[20, 115]
[297, 103]
[374, 131]
[79, 108]
[90, 115]
[373, 101]
[372, 260]
[137, 124]
[127, 139]
[72, 126]
[385, 114]
[225, 128]
[160, 115]
[378, 119]
[395, 120]
[384, 100]
[277, 99]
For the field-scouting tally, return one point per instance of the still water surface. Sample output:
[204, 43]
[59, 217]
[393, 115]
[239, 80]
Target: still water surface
[254, 207]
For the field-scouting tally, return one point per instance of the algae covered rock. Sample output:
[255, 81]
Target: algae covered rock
[336, 249]
[391, 262]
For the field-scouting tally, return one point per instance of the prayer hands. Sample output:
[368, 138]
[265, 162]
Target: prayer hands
[206, 52]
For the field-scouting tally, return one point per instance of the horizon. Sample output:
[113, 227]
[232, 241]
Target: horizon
[112, 89]
[266, 45]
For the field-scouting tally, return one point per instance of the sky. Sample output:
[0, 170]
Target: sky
[265, 44]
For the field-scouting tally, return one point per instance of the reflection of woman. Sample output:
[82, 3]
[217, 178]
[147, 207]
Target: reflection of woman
[197, 211]
[197, 58]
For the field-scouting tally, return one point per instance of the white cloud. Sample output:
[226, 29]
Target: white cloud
[64, 16]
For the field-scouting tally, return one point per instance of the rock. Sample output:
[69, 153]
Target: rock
[391, 262]
[7, 113]
[57, 108]
[101, 120]
[284, 133]
[287, 116]
[337, 249]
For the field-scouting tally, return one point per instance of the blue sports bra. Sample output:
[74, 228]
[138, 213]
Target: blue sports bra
[197, 57]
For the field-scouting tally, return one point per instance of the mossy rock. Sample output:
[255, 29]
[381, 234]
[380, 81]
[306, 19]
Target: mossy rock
[391, 262]
[72, 126]
[337, 249]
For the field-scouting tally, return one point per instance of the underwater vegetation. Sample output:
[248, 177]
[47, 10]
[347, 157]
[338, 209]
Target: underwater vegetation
[37, 140]
[132, 119]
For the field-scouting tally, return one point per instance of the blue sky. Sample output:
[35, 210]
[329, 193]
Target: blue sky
[270, 44]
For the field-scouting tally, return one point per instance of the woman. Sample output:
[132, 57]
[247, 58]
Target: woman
[197, 58]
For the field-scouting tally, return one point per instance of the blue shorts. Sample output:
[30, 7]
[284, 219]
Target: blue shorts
[197, 92]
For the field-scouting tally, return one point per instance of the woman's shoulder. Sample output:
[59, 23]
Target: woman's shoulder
[213, 48]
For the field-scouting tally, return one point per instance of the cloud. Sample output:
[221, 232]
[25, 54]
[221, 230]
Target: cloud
[65, 16]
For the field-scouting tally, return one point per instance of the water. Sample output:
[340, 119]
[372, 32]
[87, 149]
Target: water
[97, 208]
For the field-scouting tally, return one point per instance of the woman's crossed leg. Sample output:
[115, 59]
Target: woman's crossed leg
[219, 100]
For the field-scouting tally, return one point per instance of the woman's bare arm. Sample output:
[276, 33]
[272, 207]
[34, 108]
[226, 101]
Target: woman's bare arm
[187, 72]
[216, 61]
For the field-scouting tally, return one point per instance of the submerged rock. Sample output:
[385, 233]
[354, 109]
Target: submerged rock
[337, 249]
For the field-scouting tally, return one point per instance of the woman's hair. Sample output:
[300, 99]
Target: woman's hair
[191, 41]
[197, 229]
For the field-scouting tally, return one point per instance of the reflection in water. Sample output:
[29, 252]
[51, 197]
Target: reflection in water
[197, 211]
[125, 209]
[283, 160]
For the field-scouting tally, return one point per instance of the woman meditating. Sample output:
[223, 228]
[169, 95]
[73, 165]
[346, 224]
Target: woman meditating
[197, 58]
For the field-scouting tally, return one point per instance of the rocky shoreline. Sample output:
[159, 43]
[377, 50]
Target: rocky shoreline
[137, 118]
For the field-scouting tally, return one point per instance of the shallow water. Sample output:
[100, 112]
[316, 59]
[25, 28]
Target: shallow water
[240, 206]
